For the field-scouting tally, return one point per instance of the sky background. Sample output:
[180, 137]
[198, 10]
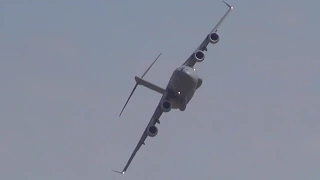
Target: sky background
[67, 68]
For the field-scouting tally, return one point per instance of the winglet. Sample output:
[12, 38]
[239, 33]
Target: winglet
[231, 7]
[118, 171]
[223, 17]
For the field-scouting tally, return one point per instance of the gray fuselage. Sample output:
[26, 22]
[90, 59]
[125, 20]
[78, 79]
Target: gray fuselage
[182, 86]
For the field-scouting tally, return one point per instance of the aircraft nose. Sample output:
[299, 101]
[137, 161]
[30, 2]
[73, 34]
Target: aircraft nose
[188, 74]
[186, 71]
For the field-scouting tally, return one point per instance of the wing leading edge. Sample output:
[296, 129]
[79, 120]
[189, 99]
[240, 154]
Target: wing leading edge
[154, 119]
[203, 46]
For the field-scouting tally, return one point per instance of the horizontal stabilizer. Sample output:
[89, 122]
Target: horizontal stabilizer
[118, 171]
[134, 88]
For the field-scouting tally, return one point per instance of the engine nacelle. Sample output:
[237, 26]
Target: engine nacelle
[213, 38]
[199, 56]
[152, 131]
[166, 106]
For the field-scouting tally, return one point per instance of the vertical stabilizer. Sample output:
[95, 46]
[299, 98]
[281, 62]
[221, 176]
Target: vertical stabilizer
[134, 88]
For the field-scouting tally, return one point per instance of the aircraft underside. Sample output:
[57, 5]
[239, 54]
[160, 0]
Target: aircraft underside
[180, 89]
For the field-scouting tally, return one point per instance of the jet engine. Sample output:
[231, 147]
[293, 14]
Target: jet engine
[213, 38]
[166, 106]
[199, 56]
[152, 131]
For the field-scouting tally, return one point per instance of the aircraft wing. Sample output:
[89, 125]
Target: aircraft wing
[154, 119]
[203, 46]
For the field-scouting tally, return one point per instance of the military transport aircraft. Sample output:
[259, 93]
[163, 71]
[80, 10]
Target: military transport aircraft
[180, 89]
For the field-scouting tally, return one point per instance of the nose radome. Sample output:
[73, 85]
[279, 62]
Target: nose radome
[188, 71]
[185, 70]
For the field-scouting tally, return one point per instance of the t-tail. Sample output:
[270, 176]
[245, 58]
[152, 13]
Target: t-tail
[141, 81]
[118, 172]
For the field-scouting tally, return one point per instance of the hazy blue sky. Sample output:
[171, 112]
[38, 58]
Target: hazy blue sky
[67, 68]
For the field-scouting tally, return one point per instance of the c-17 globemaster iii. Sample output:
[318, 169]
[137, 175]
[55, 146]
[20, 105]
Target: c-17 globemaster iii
[180, 89]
